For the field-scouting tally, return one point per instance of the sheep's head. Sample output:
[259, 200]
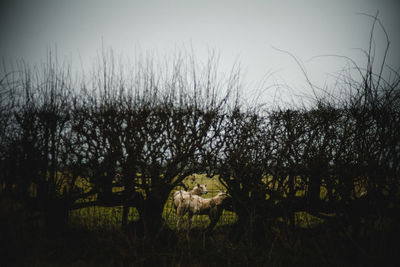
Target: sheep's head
[223, 194]
[220, 197]
[200, 189]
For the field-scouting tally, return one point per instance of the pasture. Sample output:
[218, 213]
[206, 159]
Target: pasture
[99, 217]
[110, 217]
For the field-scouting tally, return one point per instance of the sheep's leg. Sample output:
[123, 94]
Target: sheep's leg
[190, 218]
[178, 223]
[179, 212]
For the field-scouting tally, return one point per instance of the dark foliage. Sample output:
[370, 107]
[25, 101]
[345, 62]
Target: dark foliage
[66, 145]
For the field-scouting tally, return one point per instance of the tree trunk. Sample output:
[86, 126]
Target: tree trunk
[56, 216]
[151, 214]
[314, 187]
[125, 212]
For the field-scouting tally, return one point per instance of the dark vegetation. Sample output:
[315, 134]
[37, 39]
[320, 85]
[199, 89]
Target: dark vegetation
[144, 130]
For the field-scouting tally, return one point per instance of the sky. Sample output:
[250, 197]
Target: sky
[249, 32]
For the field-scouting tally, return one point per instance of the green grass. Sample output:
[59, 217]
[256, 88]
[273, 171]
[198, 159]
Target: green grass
[90, 244]
[110, 217]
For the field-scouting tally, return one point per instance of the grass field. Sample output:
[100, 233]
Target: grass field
[96, 239]
[110, 217]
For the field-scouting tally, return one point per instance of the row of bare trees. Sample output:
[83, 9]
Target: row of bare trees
[113, 141]
[338, 164]
[337, 159]
[132, 136]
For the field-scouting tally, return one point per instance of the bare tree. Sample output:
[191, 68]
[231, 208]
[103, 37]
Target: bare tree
[149, 135]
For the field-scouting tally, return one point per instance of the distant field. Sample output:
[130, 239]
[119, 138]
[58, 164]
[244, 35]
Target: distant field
[110, 217]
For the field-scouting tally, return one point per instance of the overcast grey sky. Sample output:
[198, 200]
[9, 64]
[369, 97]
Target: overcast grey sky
[244, 30]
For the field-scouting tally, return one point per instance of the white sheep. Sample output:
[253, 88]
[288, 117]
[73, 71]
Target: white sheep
[180, 194]
[196, 205]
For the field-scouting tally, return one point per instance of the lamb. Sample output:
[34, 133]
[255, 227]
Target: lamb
[196, 205]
